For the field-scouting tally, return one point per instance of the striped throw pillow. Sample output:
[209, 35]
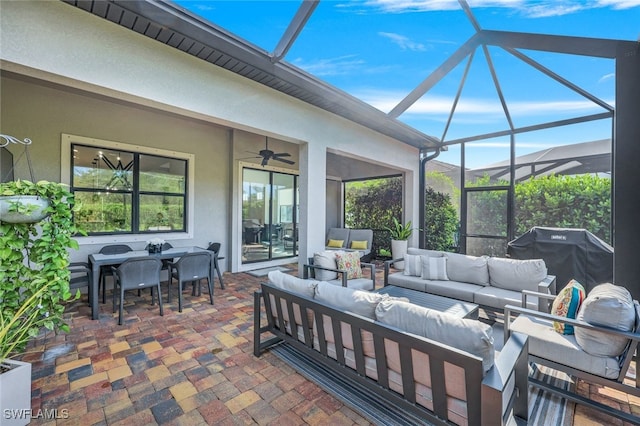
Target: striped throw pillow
[434, 268]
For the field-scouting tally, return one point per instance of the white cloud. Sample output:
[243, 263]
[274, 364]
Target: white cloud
[404, 42]
[530, 8]
[606, 77]
[341, 65]
[483, 108]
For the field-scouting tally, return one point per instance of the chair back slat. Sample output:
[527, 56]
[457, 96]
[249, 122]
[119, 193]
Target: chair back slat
[139, 273]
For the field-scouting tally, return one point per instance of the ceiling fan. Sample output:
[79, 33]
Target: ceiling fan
[266, 154]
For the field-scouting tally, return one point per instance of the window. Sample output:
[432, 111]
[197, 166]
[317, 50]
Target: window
[124, 191]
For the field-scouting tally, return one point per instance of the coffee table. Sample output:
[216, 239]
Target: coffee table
[439, 303]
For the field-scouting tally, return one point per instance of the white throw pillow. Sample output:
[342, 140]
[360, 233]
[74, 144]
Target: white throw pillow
[412, 265]
[326, 259]
[434, 268]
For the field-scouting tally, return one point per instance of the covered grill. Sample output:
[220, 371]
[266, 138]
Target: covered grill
[568, 253]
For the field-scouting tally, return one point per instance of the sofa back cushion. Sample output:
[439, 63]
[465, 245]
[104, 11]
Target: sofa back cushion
[606, 305]
[424, 252]
[467, 335]
[467, 269]
[295, 285]
[347, 299]
[516, 275]
[338, 234]
[326, 259]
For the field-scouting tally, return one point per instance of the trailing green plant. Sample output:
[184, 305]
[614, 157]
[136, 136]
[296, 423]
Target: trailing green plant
[34, 260]
[399, 231]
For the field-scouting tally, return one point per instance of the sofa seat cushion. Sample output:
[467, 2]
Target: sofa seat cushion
[453, 289]
[497, 298]
[515, 274]
[545, 343]
[610, 306]
[467, 269]
[406, 281]
[467, 335]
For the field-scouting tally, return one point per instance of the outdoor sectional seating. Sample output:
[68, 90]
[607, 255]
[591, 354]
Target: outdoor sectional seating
[490, 282]
[374, 342]
[599, 349]
[351, 240]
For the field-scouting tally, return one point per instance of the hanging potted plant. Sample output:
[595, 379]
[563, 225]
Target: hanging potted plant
[23, 202]
[34, 281]
[400, 235]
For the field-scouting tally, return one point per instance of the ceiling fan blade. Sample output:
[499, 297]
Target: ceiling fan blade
[283, 160]
[282, 154]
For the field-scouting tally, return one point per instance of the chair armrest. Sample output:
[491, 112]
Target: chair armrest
[76, 267]
[505, 385]
[387, 266]
[307, 268]
[372, 271]
[542, 305]
[548, 285]
[509, 310]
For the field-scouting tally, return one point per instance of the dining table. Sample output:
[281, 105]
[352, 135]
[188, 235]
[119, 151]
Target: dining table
[97, 260]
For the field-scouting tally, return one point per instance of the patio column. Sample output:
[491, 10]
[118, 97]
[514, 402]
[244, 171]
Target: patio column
[312, 183]
[626, 179]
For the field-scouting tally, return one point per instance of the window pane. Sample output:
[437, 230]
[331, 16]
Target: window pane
[161, 174]
[99, 168]
[104, 212]
[161, 213]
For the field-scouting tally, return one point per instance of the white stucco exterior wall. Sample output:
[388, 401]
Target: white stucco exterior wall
[60, 43]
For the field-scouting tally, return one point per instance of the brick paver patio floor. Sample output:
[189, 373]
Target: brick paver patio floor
[191, 368]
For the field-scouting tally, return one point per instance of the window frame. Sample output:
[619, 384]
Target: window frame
[66, 174]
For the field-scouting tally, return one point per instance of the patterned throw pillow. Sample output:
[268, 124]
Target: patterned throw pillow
[566, 304]
[412, 265]
[434, 268]
[335, 243]
[349, 262]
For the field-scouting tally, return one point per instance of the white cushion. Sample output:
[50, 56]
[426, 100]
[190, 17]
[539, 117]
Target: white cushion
[326, 259]
[467, 335]
[357, 301]
[293, 284]
[467, 269]
[412, 265]
[515, 274]
[434, 268]
[606, 305]
[562, 348]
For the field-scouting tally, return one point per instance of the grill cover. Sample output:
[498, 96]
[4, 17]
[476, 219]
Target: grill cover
[568, 253]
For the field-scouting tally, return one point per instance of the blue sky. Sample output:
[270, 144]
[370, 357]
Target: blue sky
[379, 50]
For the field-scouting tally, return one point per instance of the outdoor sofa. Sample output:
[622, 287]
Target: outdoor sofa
[376, 343]
[490, 282]
[347, 239]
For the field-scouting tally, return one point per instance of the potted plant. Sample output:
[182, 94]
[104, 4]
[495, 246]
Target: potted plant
[400, 235]
[34, 281]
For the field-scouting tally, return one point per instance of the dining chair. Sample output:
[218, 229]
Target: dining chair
[135, 274]
[106, 270]
[215, 248]
[80, 276]
[191, 267]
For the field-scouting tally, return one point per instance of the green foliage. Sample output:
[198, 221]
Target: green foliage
[582, 201]
[565, 201]
[441, 221]
[399, 231]
[34, 278]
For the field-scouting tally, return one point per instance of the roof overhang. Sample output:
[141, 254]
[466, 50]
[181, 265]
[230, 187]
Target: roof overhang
[173, 25]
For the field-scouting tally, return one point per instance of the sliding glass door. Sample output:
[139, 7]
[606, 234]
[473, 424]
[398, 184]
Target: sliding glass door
[269, 215]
